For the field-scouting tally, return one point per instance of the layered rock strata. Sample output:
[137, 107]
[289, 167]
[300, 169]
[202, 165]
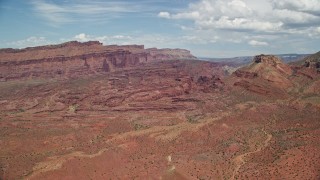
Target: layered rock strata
[74, 58]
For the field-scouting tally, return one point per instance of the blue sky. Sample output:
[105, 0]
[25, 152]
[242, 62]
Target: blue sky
[209, 28]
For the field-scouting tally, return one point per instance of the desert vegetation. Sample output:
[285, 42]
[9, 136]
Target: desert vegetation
[183, 119]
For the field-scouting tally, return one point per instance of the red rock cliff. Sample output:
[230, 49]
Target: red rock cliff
[74, 58]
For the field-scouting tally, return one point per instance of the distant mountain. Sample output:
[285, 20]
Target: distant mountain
[242, 60]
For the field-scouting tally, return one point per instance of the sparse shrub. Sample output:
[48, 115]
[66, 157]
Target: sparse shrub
[73, 108]
[138, 127]
[192, 119]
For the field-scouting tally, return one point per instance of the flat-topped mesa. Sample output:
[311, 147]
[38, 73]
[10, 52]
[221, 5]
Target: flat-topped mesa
[73, 58]
[126, 47]
[76, 43]
[74, 48]
[49, 47]
[169, 54]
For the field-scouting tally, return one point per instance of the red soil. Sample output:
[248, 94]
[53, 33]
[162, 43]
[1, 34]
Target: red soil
[161, 120]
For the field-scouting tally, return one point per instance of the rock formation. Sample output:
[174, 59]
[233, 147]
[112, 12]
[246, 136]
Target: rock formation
[311, 70]
[264, 75]
[268, 75]
[134, 113]
[313, 61]
[74, 58]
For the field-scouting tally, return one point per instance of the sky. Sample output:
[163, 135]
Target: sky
[208, 28]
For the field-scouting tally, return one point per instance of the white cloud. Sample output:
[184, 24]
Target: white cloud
[279, 26]
[294, 17]
[257, 43]
[121, 37]
[309, 6]
[81, 37]
[244, 24]
[164, 15]
[29, 42]
[237, 3]
[113, 39]
[268, 16]
[235, 14]
[75, 11]
[149, 40]
[53, 13]
[189, 15]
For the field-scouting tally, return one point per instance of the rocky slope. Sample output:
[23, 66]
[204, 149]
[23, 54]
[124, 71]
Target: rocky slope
[267, 75]
[312, 62]
[74, 58]
[177, 119]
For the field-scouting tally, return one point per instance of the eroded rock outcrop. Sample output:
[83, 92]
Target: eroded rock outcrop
[168, 54]
[313, 61]
[266, 74]
[74, 58]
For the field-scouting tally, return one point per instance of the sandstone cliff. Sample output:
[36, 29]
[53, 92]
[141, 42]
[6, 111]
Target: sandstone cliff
[75, 58]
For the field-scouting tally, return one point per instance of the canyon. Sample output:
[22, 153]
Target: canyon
[89, 111]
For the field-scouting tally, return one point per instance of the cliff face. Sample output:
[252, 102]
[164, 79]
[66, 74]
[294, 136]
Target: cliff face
[74, 58]
[168, 54]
